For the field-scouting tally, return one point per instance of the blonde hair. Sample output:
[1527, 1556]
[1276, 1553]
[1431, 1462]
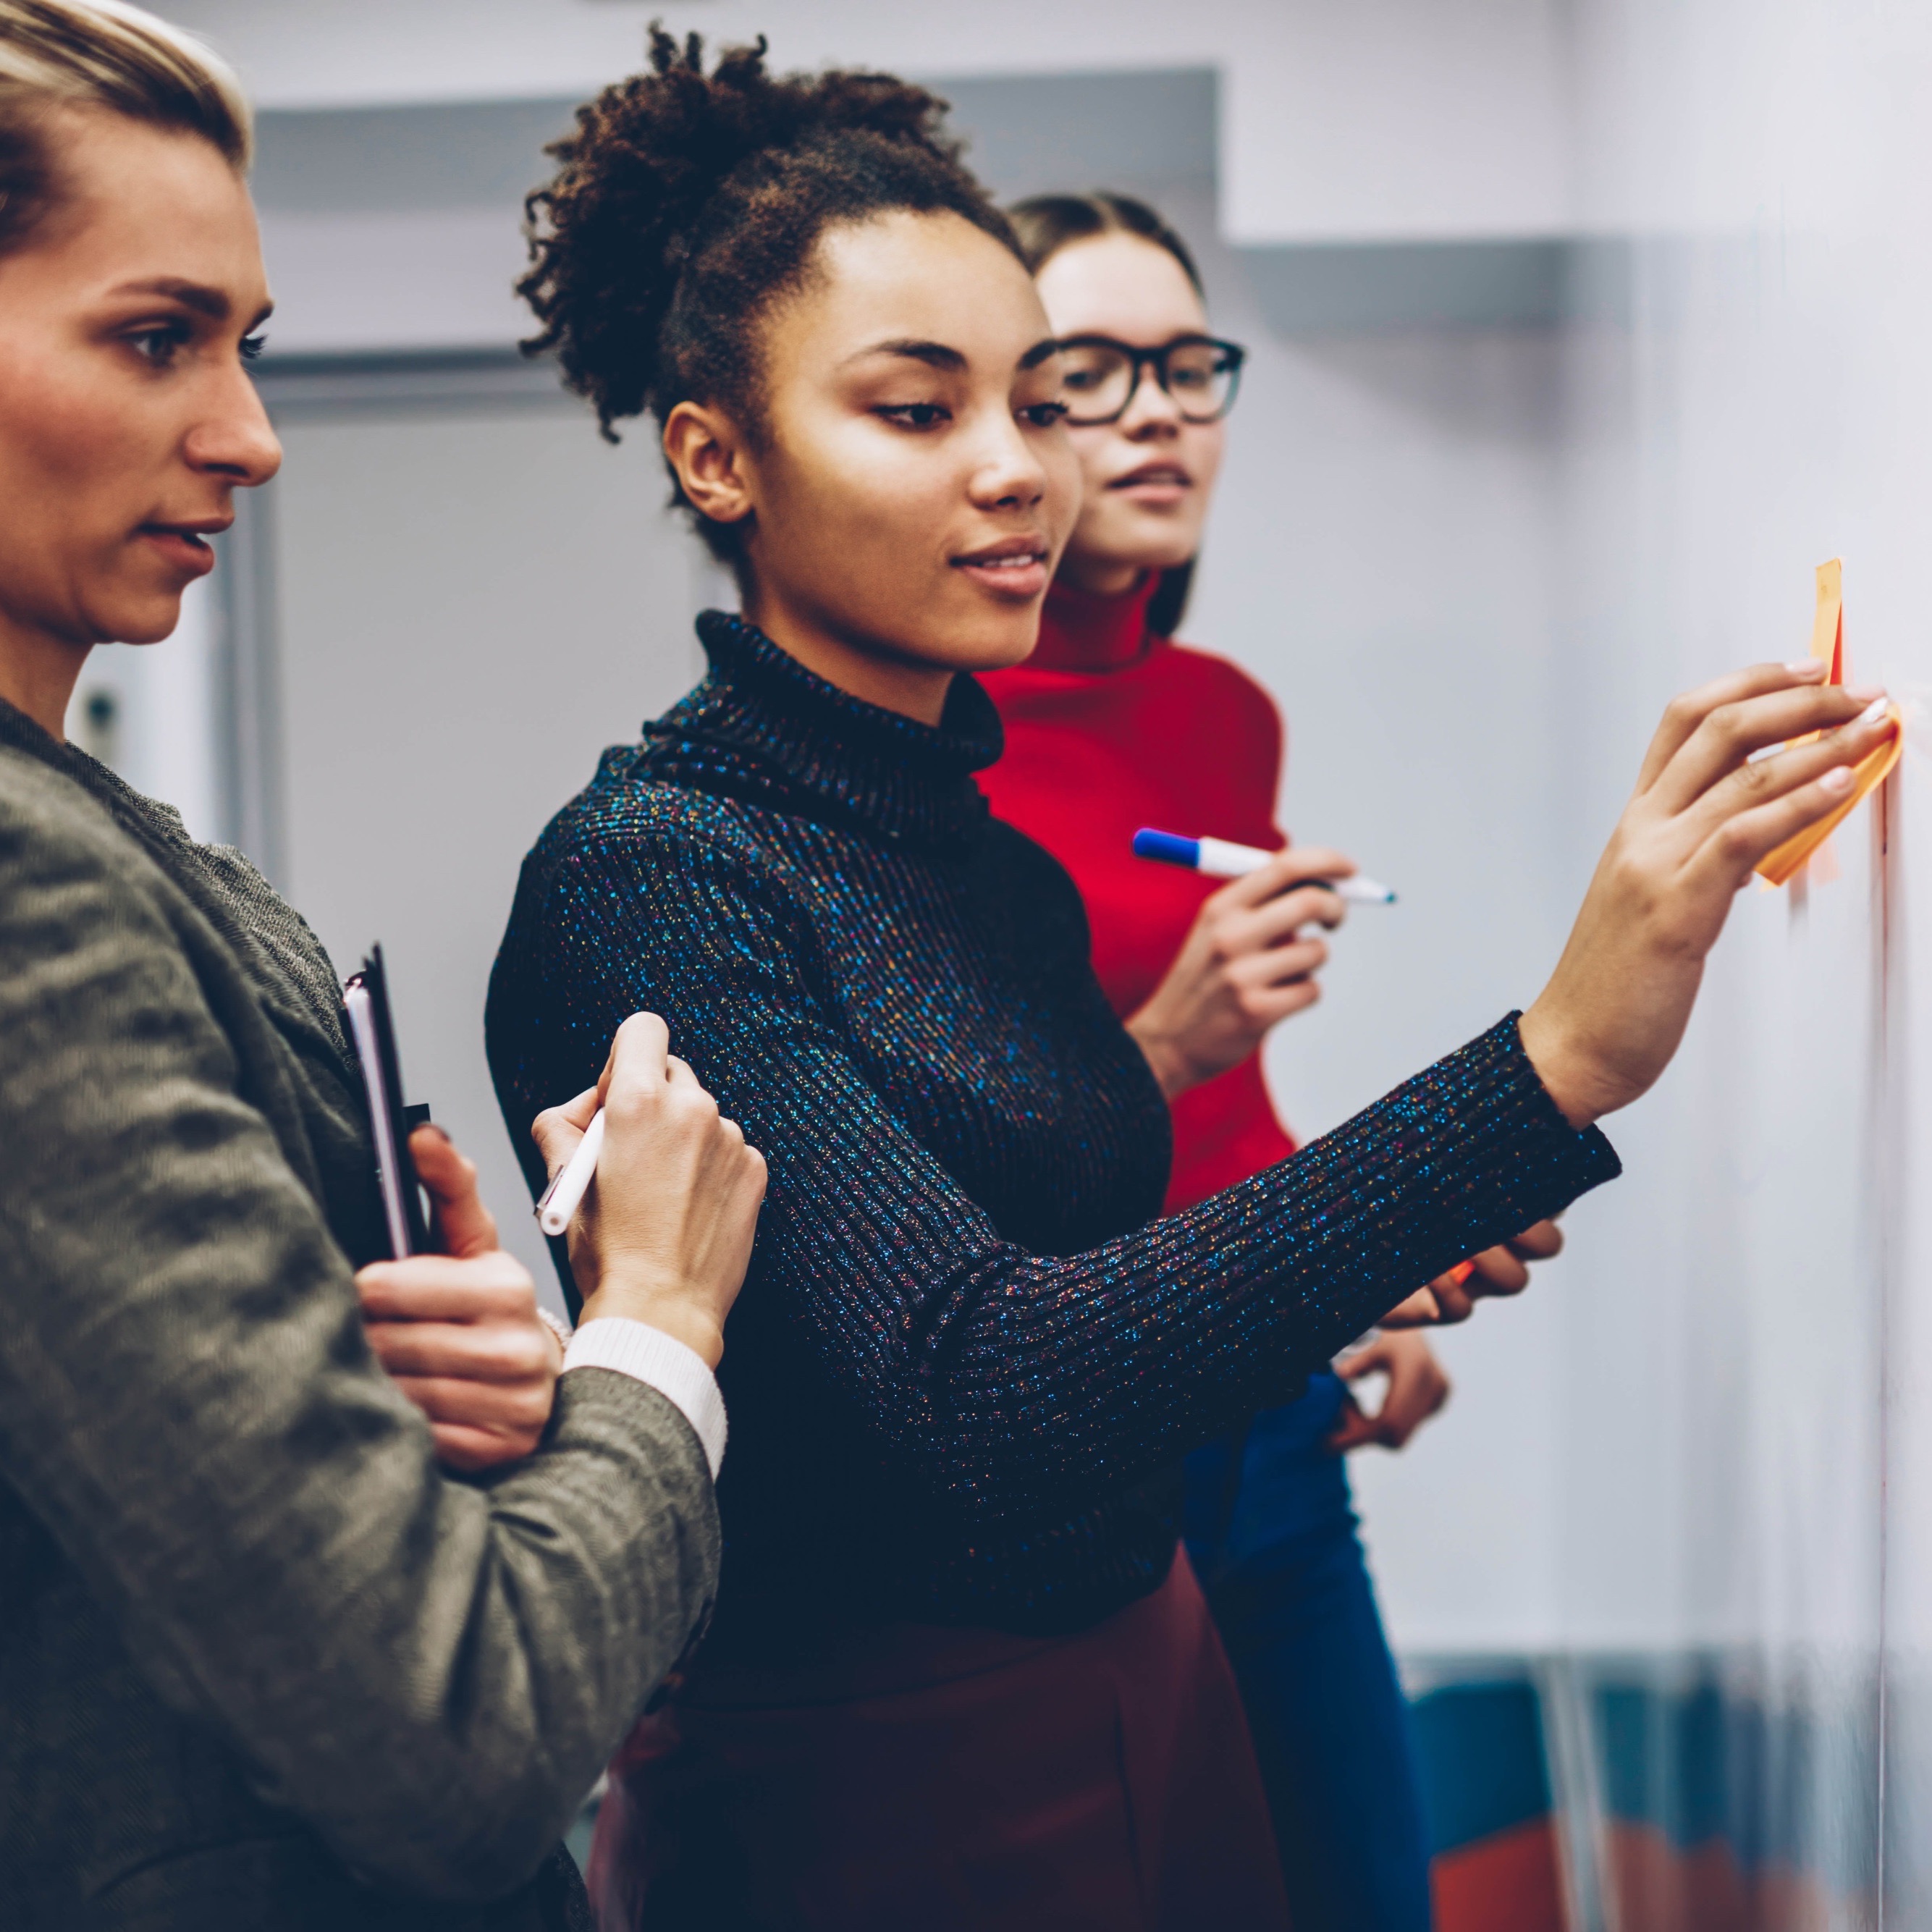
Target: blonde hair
[101, 54]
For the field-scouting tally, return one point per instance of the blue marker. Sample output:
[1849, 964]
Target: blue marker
[1221, 858]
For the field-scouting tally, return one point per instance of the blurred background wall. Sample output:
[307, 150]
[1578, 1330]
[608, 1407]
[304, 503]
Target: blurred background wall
[1581, 331]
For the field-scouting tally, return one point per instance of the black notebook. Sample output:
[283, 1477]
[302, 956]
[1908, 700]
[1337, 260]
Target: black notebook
[372, 1029]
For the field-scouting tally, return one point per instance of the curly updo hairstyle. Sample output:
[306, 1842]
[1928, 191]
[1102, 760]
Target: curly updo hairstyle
[686, 203]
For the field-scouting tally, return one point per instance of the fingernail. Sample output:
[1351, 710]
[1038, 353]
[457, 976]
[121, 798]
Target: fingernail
[1839, 778]
[1874, 711]
[1804, 667]
[1864, 691]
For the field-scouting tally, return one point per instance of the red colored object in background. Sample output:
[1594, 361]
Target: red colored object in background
[1509, 1882]
[1078, 775]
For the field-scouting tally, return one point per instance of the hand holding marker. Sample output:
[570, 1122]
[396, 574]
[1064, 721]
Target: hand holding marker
[1221, 858]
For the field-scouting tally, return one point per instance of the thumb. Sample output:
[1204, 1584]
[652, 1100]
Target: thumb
[464, 1226]
[1367, 1361]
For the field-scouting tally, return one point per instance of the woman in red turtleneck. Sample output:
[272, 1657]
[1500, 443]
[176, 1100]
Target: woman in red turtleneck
[1111, 726]
[1142, 731]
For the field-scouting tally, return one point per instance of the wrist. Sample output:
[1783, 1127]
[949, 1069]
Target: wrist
[1566, 1073]
[1165, 1061]
[672, 1311]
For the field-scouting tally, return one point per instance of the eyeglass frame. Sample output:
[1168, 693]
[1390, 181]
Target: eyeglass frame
[1156, 359]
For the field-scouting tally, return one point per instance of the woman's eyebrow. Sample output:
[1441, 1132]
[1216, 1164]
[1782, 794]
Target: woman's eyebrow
[934, 355]
[197, 295]
[1039, 351]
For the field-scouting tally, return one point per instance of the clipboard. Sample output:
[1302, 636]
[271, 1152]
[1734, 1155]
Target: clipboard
[372, 1029]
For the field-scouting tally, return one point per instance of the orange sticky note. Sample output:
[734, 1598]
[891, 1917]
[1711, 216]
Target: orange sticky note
[1827, 623]
[1828, 642]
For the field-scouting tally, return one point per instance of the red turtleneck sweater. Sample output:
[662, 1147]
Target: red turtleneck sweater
[1109, 729]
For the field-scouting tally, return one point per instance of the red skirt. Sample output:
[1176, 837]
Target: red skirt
[953, 1781]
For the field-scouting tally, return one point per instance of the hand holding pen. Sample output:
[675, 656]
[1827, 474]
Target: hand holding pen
[665, 1234]
[1245, 963]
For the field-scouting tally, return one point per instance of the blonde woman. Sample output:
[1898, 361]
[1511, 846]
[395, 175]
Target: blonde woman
[265, 1664]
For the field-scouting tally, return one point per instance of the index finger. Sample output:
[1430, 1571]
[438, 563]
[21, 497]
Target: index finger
[1537, 1244]
[638, 1056]
[1685, 712]
[1722, 744]
[438, 1288]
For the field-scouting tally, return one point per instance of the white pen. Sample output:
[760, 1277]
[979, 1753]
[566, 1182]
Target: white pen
[559, 1200]
[1222, 859]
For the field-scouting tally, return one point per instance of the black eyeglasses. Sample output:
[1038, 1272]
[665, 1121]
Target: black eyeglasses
[1103, 377]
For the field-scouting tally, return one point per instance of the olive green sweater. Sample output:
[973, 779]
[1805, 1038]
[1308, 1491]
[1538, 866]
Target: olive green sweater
[262, 1664]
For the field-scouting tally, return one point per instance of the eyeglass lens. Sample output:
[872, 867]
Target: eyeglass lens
[1099, 379]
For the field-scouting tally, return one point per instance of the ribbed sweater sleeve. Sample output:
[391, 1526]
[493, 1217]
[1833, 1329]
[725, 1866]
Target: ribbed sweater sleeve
[1011, 1380]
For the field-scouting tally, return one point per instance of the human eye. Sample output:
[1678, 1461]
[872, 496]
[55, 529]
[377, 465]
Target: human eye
[252, 346]
[1044, 415]
[1195, 370]
[158, 343]
[914, 416]
[1087, 366]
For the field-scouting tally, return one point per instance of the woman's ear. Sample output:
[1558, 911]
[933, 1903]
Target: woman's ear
[705, 448]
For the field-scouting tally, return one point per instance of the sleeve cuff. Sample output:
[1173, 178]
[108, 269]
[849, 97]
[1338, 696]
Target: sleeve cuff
[662, 1362]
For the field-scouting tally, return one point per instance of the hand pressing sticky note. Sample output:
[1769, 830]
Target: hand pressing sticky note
[1827, 643]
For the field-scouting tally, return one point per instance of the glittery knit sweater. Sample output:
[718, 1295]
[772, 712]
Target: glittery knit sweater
[969, 1352]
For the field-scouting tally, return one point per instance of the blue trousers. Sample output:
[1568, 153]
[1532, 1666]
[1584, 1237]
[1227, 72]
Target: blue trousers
[1276, 1549]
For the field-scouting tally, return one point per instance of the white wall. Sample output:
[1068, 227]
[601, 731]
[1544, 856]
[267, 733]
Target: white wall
[1746, 1450]
[1411, 117]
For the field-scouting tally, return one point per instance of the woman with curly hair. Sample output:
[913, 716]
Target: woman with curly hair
[958, 1676]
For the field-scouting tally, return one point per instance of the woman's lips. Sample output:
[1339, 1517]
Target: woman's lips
[1157, 483]
[1020, 575]
[186, 550]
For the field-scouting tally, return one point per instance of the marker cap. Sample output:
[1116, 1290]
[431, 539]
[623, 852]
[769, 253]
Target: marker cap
[1169, 846]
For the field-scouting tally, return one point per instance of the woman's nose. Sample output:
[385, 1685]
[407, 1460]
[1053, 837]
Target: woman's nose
[236, 438]
[1011, 473]
[1151, 410]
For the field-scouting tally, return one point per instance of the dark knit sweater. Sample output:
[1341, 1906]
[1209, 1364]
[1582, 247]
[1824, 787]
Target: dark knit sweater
[967, 1350]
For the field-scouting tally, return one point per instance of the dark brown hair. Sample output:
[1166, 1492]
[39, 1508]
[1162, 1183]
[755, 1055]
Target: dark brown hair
[100, 54]
[686, 202]
[1046, 223]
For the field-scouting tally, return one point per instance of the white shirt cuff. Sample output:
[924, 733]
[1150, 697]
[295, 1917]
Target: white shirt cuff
[662, 1362]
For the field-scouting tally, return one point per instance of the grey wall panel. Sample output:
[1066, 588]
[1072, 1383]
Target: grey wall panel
[470, 608]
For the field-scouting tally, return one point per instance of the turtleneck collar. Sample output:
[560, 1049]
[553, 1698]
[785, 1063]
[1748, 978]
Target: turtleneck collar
[1080, 630]
[762, 726]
